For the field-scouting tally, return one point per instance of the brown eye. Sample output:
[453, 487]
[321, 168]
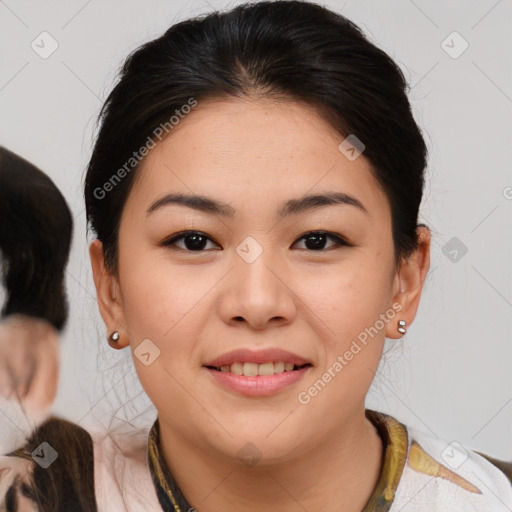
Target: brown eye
[316, 240]
[191, 241]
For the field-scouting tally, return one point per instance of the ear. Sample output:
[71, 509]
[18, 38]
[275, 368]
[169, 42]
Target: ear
[408, 282]
[108, 295]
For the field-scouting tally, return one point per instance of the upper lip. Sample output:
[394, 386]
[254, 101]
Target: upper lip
[244, 355]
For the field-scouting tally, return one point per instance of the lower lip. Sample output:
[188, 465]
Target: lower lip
[260, 385]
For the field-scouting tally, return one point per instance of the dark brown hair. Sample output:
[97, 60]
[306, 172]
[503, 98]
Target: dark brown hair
[35, 237]
[286, 49]
[66, 482]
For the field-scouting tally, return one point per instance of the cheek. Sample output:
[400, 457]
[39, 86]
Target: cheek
[155, 295]
[351, 305]
[350, 302]
[167, 305]
[351, 297]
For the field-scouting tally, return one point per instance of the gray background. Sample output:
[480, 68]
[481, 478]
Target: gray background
[450, 375]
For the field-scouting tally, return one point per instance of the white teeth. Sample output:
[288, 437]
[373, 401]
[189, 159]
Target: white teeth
[237, 368]
[254, 369]
[266, 369]
[279, 367]
[251, 369]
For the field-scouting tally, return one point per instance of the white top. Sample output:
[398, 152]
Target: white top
[447, 477]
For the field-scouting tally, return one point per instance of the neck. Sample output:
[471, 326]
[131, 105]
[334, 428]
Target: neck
[340, 470]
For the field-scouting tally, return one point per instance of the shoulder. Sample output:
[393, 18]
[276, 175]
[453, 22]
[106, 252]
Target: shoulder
[444, 475]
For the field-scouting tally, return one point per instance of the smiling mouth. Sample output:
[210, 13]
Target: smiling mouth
[255, 369]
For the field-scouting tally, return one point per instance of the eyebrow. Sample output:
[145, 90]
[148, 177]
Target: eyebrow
[290, 207]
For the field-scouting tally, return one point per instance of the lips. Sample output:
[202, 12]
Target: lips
[270, 355]
[257, 373]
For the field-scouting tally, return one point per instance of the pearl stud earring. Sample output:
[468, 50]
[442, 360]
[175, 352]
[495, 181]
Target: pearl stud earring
[115, 336]
[401, 326]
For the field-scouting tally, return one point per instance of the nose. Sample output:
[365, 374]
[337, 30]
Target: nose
[258, 293]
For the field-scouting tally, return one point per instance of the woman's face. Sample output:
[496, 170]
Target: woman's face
[257, 278]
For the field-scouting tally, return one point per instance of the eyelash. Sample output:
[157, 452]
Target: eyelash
[340, 241]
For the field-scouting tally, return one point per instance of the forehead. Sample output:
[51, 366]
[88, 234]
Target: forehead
[256, 148]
